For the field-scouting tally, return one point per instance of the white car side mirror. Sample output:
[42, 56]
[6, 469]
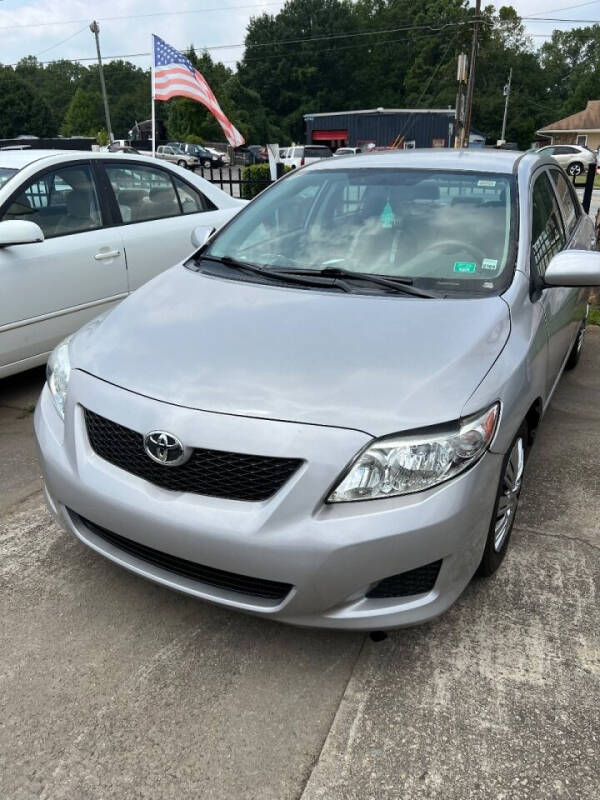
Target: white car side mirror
[201, 234]
[574, 268]
[19, 231]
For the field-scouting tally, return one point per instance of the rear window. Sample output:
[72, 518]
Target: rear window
[317, 152]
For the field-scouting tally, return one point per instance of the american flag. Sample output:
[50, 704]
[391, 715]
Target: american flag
[175, 76]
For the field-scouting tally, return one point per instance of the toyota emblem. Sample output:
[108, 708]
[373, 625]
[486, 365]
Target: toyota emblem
[164, 448]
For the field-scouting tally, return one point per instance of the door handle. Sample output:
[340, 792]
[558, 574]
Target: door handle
[103, 255]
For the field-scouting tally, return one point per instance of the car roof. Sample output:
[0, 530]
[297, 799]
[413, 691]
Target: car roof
[480, 159]
[17, 159]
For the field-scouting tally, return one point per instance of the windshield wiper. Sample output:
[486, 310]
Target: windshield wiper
[397, 284]
[281, 275]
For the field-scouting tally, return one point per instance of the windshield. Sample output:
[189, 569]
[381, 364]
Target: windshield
[5, 175]
[445, 229]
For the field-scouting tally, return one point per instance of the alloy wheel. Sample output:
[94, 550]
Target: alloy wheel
[575, 169]
[509, 497]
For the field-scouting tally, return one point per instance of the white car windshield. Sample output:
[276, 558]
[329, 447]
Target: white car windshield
[5, 175]
[448, 230]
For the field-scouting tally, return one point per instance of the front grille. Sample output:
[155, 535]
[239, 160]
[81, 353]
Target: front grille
[242, 584]
[217, 473]
[415, 581]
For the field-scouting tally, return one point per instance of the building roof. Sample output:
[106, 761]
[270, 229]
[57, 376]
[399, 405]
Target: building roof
[449, 111]
[586, 120]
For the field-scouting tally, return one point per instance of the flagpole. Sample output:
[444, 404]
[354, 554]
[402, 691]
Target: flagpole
[153, 113]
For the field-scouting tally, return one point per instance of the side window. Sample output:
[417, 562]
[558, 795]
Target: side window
[143, 193]
[569, 205]
[192, 202]
[547, 234]
[60, 202]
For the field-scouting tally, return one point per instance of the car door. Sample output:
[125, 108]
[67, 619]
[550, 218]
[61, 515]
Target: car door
[563, 154]
[158, 211]
[562, 306]
[51, 288]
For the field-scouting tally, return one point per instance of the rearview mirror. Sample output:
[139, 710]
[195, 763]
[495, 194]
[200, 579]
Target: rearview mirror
[574, 268]
[201, 234]
[19, 231]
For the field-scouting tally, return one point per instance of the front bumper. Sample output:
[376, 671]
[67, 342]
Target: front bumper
[330, 554]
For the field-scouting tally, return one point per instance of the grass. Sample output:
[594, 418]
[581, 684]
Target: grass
[594, 316]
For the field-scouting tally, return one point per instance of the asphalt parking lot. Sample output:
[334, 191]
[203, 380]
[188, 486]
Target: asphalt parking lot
[113, 687]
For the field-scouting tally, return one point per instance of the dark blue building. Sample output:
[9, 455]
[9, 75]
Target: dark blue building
[382, 127]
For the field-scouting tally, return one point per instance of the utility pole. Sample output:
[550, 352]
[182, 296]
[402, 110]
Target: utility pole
[471, 85]
[461, 77]
[95, 29]
[507, 95]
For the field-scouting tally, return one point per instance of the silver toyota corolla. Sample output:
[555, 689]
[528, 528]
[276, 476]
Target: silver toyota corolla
[323, 415]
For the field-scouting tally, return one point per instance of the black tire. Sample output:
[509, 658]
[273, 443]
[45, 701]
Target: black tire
[498, 540]
[574, 169]
[182, 163]
[207, 164]
[575, 354]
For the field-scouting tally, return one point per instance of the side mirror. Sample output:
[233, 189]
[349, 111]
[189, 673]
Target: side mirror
[19, 231]
[574, 268]
[201, 234]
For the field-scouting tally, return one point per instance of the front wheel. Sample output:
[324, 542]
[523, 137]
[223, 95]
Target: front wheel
[505, 507]
[207, 164]
[181, 163]
[575, 169]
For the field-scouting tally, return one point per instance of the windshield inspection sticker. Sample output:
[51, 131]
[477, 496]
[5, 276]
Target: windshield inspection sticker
[489, 263]
[465, 266]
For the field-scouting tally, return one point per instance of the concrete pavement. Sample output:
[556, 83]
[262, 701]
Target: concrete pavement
[115, 688]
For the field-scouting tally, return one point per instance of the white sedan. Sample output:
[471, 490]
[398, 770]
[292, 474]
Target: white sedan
[79, 231]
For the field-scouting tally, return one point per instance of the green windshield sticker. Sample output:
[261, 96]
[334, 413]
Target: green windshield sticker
[465, 266]
[387, 216]
[489, 263]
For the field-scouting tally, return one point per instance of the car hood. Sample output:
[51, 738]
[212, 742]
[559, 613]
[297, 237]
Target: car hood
[376, 363]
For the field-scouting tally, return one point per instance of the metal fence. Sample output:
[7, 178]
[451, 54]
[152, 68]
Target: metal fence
[231, 180]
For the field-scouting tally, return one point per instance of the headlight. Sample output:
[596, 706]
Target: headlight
[58, 372]
[408, 463]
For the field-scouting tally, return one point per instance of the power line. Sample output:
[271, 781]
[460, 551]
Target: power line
[258, 58]
[565, 8]
[328, 37]
[138, 16]
[58, 44]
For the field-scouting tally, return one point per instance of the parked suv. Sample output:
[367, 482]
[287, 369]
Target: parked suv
[573, 158]
[300, 154]
[176, 156]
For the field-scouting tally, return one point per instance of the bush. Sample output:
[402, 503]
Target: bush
[255, 178]
[191, 138]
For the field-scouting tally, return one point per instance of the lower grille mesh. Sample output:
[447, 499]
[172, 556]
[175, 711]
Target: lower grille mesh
[405, 584]
[243, 584]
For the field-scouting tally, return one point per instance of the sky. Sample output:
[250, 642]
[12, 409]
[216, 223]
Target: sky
[51, 30]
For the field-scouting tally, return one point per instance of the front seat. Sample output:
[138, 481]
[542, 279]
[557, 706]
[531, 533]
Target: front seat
[81, 214]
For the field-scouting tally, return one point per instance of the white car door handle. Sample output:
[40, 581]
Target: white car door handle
[105, 254]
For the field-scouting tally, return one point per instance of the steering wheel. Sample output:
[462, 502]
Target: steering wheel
[456, 246]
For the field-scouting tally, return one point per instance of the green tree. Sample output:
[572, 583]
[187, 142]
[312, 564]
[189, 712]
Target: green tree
[22, 109]
[84, 116]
